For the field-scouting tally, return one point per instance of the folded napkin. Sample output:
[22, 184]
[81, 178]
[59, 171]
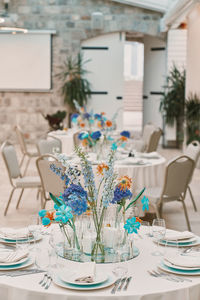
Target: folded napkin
[12, 256]
[172, 235]
[10, 233]
[86, 272]
[188, 261]
[150, 155]
[131, 161]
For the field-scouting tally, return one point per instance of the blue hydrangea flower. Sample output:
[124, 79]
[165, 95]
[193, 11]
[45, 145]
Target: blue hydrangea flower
[86, 115]
[132, 225]
[46, 221]
[83, 135]
[125, 133]
[75, 197]
[63, 214]
[42, 213]
[95, 135]
[145, 203]
[74, 116]
[120, 194]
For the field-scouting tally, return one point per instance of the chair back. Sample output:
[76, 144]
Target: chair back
[177, 177]
[51, 182]
[10, 160]
[153, 140]
[46, 146]
[21, 139]
[77, 142]
[193, 150]
[148, 129]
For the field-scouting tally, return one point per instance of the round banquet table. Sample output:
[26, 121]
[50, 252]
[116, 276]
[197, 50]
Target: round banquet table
[149, 174]
[142, 287]
[66, 138]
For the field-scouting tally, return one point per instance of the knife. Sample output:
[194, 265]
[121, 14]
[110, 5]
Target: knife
[116, 284]
[127, 283]
[121, 284]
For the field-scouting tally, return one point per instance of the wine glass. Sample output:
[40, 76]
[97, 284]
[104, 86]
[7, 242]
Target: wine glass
[158, 229]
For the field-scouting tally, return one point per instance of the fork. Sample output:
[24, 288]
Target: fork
[43, 279]
[155, 274]
[175, 276]
[48, 283]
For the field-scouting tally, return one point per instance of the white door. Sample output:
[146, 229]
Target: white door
[154, 79]
[106, 67]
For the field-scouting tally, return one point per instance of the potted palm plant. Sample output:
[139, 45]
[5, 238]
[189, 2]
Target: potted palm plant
[193, 118]
[173, 102]
[75, 85]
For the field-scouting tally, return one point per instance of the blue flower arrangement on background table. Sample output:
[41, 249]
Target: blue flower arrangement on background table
[93, 201]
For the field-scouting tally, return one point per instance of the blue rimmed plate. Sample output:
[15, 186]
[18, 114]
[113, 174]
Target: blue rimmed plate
[195, 242]
[58, 281]
[25, 264]
[71, 278]
[21, 261]
[13, 241]
[173, 270]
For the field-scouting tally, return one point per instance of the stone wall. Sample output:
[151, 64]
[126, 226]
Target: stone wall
[72, 21]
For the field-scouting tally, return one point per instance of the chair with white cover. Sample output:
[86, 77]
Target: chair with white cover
[49, 145]
[51, 182]
[17, 181]
[153, 141]
[142, 144]
[177, 177]
[24, 149]
[193, 151]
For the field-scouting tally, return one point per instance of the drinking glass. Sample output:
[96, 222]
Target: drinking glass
[158, 229]
[145, 228]
[42, 259]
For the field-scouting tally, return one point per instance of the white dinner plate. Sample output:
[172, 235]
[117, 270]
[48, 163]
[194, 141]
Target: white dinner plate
[168, 264]
[173, 270]
[9, 241]
[184, 244]
[58, 281]
[15, 262]
[192, 239]
[70, 278]
[18, 266]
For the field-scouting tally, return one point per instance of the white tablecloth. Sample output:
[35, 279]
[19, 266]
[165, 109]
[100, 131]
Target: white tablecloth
[147, 175]
[66, 138]
[142, 286]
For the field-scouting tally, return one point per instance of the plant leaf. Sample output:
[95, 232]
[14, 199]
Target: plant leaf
[55, 200]
[135, 199]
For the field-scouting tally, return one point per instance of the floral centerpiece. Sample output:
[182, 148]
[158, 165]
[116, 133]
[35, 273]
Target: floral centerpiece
[94, 201]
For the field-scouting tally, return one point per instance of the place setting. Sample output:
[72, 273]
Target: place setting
[85, 277]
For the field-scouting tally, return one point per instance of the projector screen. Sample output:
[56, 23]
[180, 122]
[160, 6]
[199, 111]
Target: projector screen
[25, 62]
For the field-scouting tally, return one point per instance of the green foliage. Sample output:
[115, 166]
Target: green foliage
[173, 102]
[55, 120]
[193, 118]
[75, 86]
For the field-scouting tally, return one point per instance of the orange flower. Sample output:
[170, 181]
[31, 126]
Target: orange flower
[99, 124]
[108, 123]
[123, 139]
[82, 109]
[103, 113]
[138, 220]
[84, 143]
[49, 215]
[82, 124]
[100, 168]
[125, 182]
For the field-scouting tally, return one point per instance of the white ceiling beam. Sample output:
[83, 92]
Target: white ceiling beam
[144, 4]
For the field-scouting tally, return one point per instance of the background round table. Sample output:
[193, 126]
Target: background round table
[142, 287]
[66, 138]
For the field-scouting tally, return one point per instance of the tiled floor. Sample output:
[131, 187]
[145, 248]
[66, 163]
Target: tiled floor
[173, 212]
